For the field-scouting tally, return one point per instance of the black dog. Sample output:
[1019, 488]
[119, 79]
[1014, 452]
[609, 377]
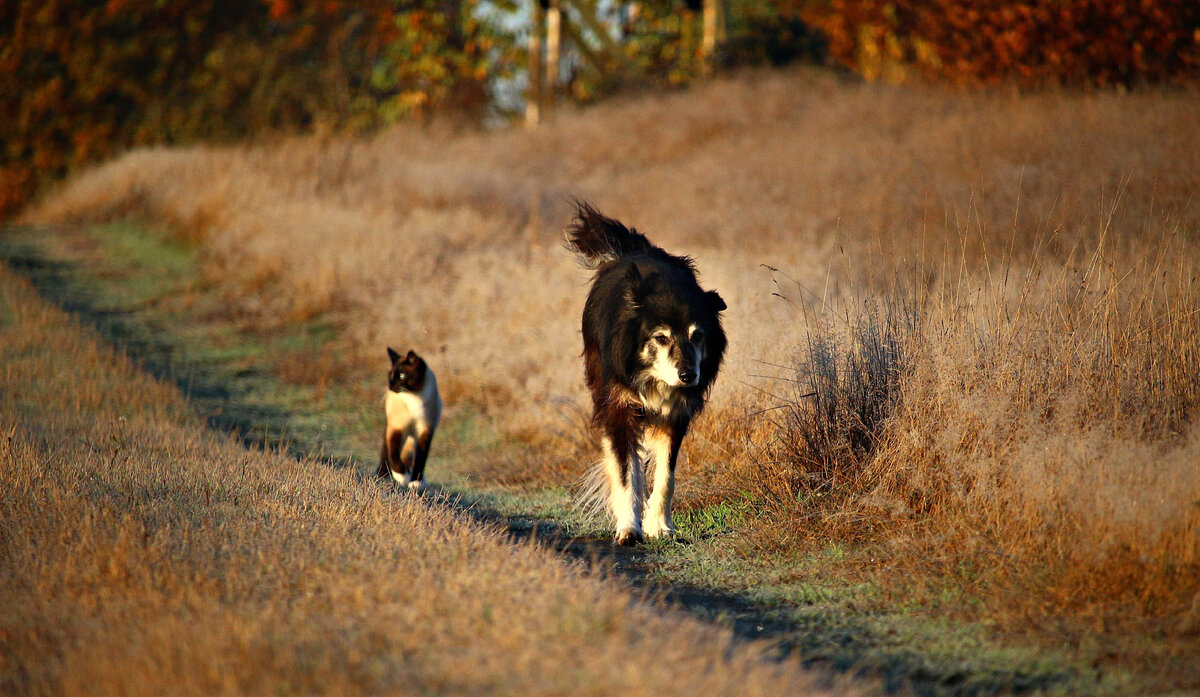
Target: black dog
[652, 345]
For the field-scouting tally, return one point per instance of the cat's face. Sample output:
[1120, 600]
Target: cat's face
[407, 373]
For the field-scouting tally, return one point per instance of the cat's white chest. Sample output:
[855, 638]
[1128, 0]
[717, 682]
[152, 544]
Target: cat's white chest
[414, 411]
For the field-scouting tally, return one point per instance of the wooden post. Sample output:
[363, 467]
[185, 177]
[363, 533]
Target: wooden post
[709, 43]
[553, 39]
[533, 100]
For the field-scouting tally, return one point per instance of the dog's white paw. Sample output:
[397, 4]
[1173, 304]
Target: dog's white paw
[628, 536]
[658, 528]
[416, 485]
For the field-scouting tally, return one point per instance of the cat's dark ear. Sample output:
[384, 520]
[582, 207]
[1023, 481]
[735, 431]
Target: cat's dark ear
[393, 355]
[715, 301]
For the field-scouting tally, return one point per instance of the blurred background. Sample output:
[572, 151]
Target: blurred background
[85, 79]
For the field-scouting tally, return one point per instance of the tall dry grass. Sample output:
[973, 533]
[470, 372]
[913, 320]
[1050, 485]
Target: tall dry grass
[1056, 425]
[1030, 432]
[1052, 374]
[142, 555]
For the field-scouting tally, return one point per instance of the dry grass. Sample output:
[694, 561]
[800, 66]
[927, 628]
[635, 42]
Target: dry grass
[1055, 430]
[140, 554]
[1042, 432]
[1046, 418]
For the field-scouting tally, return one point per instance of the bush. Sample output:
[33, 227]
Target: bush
[845, 387]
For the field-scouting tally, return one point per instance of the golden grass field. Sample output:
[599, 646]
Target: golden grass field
[142, 554]
[1033, 258]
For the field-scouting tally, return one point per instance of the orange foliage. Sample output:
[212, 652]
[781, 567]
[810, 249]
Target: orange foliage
[1031, 42]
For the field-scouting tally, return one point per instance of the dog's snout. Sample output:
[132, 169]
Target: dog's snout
[687, 376]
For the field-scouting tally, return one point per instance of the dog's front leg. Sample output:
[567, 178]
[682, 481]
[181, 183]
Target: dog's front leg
[625, 487]
[662, 448]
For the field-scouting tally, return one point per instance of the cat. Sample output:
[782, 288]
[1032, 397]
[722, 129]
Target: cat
[414, 409]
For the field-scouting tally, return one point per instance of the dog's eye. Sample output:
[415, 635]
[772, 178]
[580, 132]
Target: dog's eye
[698, 336]
[661, 339]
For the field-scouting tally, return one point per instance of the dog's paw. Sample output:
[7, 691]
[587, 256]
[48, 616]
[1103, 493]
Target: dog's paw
[658, 525]
[416, 485]
[627, 537]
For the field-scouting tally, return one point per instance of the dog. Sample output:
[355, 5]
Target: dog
[413, 408]
[652, 346]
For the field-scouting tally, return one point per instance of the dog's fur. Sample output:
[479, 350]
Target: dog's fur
[652, 346]
[413, 408]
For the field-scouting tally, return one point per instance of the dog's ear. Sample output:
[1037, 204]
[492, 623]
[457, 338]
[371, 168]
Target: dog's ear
[621, 352]
[633, 293]
[393, 355]
[412, 355]
[714, 301]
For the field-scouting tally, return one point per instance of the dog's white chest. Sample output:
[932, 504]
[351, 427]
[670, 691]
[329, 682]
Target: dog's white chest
[656, 403]
[658, 399]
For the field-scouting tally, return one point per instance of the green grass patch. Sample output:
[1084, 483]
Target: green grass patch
[712, 520]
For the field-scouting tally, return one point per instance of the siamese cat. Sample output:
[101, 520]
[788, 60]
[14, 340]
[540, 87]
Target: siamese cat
[413, 408]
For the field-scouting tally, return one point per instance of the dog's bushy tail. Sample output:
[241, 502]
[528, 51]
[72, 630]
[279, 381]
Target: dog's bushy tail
[591, 493]
[597, 239]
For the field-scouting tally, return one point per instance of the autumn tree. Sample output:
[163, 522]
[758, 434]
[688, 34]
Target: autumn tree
[85, 78]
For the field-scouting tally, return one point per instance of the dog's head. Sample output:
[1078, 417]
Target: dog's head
[680, 340]
[407, 373]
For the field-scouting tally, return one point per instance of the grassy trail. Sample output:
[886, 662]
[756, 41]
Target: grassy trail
[143, 295]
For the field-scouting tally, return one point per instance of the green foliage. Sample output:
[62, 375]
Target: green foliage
[86, 79]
